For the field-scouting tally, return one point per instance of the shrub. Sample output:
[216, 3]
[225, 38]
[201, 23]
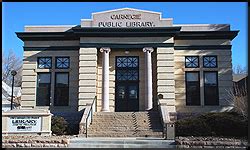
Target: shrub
[192, 126]
[58, 125]
[219, 124]
[73, 129]
[226, 124]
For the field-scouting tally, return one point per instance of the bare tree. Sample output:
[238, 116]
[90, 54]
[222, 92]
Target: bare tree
[11, 62]
[238, 69]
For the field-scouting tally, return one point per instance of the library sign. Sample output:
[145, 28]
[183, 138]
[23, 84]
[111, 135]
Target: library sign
[24, 124]
[126, 20]
[131, 18]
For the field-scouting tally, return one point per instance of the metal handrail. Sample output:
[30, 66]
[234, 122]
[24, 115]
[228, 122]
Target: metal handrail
[90, 112]
[162, 120]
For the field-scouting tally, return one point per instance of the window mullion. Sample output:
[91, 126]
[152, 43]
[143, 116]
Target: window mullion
[202, 87]
[52, 100]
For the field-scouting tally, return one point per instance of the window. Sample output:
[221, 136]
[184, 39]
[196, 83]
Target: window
[130, 62]
[61, 89]
[127, 68]
[210, 61]
[211, 96]
[192, 88]
[62, 62]
[191, 61]
[43, 89]
[44, 62]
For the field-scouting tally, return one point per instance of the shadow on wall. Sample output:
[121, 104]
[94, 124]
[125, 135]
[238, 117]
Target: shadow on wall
[224, 68]
[73, 75]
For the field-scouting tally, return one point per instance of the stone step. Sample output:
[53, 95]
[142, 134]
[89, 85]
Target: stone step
[107, 118]
[123, 130]
[128, 131]
[125, 127]
[127, 116]
[121, 146]
[132, 115]
[125, 135]
[142, 124]
[136, 112]
[148, 142]
[126, 119]
[125, 124]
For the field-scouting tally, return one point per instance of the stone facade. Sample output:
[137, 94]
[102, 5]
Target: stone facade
[224, 69]
[170, 44]
[87, 76]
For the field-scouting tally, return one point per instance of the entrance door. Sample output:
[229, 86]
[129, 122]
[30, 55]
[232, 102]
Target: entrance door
[127, 83]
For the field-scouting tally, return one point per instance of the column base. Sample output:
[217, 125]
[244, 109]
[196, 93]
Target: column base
[149, 108]
[105, 110]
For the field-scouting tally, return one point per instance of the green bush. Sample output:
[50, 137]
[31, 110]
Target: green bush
[215, 124]
[59, 125]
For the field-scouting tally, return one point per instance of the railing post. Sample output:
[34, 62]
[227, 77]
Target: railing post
[170, 131]
[86, 129]
[90, 114]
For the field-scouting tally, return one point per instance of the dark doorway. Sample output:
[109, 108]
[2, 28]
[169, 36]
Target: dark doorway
[127, 83]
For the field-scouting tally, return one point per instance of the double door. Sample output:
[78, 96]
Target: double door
[127, 83]
[127, 97]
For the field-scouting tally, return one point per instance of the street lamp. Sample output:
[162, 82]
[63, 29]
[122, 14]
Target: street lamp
[13, 73]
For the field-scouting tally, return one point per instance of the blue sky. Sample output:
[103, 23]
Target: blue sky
[18, 14]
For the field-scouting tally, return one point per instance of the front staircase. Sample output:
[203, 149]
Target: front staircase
[126, 124]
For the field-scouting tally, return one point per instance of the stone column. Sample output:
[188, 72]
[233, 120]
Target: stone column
[148, 78]
[105, 79]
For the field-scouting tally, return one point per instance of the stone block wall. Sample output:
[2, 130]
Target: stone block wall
[29, 79]
[87, 76]
[165, 77]
[224, 69]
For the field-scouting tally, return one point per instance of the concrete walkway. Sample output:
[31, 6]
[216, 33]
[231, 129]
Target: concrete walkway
[96, 142]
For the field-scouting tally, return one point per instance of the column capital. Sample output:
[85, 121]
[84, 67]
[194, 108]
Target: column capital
[105, 49]
[148, 49]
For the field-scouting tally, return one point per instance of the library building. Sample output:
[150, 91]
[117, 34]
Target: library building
[127, 63]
